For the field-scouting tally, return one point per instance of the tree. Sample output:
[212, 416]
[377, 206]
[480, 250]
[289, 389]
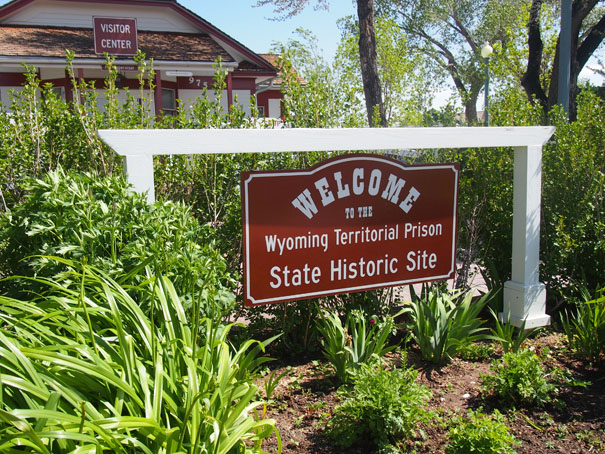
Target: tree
[309, 85]
[451, 33]
[406, 91]
[587, 31]
[367, 48]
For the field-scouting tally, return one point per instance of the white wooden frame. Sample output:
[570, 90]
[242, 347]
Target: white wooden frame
[524, 295]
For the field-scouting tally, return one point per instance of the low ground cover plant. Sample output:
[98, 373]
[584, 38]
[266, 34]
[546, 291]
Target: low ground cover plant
[519, 378]
[383, 407]
[86, 370]
[479, 433]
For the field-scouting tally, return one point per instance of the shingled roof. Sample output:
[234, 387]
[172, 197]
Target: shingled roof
[39, 41]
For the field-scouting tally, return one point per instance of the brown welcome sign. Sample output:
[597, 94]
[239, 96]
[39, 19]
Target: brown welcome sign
[352, 223]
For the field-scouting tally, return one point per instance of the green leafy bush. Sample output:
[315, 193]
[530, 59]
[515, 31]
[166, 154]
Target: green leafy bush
[443, 322]
[86, 370]
[572, 231]
[358, 342]
[519, 378]
[481, 434]
[101, 222]
[585, 330]
[384, 407]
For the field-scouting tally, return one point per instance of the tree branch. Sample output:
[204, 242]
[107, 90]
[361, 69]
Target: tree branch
[531, 79]
[591, 42]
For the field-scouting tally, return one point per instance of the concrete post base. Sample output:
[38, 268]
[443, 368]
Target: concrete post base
[525, 303]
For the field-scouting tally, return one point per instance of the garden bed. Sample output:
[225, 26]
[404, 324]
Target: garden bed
[306, 396]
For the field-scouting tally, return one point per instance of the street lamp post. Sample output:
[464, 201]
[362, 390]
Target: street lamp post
[486, 51]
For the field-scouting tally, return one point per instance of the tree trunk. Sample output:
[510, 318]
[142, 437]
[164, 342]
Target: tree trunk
[368, 60]
[580, 53]
[531, 79]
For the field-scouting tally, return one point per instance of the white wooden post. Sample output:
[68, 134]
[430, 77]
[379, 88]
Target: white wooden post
[524, 295]
[139, 171]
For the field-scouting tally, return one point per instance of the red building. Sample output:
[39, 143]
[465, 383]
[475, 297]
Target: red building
[184, 48]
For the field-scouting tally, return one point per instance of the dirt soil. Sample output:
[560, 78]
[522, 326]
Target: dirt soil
[305, 398]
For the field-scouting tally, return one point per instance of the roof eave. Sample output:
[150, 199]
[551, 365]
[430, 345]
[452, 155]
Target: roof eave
[95, 62]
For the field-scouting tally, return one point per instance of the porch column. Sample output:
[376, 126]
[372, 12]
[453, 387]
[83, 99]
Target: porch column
[229, 91]
[69, 94]
[158, 93]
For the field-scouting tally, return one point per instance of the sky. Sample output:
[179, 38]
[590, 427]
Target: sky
[254, 28]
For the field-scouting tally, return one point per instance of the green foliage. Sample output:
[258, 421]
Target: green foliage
[572, 244]
[451, 35]
[361, 340]
[86, 370]
[311, 97]
[384, 407]
[585, 330]
[485, 209]
[443, 322]
[507, 335]
[572, 231]
[477, 351]
[405, 90]
[519, 379]
[39, 130]
[101, 222]
[481, 434]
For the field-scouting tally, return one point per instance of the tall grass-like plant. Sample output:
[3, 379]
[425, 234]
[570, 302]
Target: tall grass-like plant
[84, 369]
[356, 342]
[444, 322]
[585, 330]
[507, 335]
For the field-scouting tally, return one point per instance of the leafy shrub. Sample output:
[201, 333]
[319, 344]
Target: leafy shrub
[99, 221]
[572, 231]
[357, 342]
[384, 407]
[585, 330]
[443, 322]
[86, 370]
[481, 434]
[519, 378]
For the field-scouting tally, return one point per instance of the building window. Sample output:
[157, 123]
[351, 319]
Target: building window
[168, 99]
[261, 111]
[59, 92]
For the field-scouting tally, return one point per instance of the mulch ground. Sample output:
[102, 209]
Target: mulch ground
[304, 400]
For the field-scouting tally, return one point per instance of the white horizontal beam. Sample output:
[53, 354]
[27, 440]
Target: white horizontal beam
[524, 295]
[212, 141]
